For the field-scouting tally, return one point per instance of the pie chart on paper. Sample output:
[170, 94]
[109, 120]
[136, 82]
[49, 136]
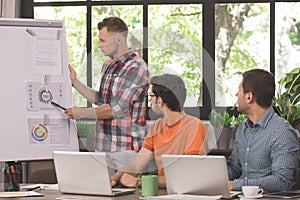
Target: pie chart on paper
[45, 96]
[39, 133]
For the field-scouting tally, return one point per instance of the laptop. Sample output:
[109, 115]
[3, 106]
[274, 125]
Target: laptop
[197, 175]
[85, 173]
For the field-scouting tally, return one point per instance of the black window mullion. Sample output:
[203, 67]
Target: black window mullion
[208, 56]
[27, 9]
[272, 37]
[145, 46]
[145, 31]
[89, 46]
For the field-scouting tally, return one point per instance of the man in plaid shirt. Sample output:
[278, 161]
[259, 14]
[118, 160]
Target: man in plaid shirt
[121, 125]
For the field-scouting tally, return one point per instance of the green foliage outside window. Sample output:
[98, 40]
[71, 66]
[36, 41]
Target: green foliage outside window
[175, 41]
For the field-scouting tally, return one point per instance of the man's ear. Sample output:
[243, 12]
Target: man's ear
[119, 38]
[250, 97]
[160, 101]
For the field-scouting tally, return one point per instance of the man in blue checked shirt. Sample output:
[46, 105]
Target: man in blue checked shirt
[266, 147]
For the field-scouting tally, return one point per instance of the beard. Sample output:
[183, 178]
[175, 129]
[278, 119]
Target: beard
[157, 109]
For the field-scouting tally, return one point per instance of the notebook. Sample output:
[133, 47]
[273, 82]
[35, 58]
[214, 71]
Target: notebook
[284, 195]
[197, 174]
[20, 194]
[85, 173]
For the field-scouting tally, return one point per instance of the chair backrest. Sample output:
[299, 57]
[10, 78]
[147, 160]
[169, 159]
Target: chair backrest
[41, 171]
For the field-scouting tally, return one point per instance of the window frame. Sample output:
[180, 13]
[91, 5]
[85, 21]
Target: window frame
[208, 20]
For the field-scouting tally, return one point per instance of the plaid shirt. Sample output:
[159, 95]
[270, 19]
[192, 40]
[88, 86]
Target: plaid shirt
[124, 85]
[265, 154]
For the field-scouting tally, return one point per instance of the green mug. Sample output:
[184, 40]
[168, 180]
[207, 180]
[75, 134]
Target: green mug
[149, 185]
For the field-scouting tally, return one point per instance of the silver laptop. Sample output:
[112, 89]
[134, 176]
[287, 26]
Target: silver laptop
[85, 173]
[197, 174]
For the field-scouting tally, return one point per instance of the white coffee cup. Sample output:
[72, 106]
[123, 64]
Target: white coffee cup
[251, 191]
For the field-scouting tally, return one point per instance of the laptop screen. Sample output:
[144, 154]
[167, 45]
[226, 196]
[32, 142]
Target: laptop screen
[84, 173]
[196, 174]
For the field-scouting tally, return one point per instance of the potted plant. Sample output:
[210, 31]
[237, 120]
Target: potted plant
[83, 129]
[84, 133]
[237, 121]
[286, 101]
[225, 126]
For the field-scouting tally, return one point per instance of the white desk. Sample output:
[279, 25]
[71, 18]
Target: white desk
[54, 194]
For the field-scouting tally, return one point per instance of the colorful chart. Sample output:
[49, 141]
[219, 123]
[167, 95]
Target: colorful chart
[39, 133]
[45, 95]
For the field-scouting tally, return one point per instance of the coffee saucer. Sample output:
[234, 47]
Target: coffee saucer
[251, 197]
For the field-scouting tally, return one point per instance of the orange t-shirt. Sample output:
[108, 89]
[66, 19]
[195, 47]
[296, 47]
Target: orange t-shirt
[185, 137]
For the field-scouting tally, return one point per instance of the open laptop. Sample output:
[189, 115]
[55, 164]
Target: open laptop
[85, 173]
[197, 174]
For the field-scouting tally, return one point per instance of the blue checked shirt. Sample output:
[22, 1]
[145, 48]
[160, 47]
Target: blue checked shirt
[265, 154]
[124, 84]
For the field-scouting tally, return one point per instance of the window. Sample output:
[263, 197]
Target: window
[215, 41]
[75, 26]
[242, 41]
[133, 20]
[287, 37]
[183, 24]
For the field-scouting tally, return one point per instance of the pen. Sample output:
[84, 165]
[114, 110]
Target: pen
[57, 105]
[34, 188]
[14, 177]
[11, 185]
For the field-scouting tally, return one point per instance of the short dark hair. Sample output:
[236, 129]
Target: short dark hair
[262, 85]
[171, 89]
[114, 24]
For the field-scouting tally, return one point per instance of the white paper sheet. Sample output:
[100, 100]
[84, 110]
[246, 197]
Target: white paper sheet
[20, 194]
[182, 197]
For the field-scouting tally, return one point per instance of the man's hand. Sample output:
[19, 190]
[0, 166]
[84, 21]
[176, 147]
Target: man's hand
[79, 113]
[73, 74]
[231, 185]
[128, 180]
[69, 112]
[113, 182]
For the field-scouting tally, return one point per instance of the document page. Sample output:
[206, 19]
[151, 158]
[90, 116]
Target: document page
[20, 194]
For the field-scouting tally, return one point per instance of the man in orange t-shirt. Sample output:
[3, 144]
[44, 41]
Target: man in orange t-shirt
[174, 133]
